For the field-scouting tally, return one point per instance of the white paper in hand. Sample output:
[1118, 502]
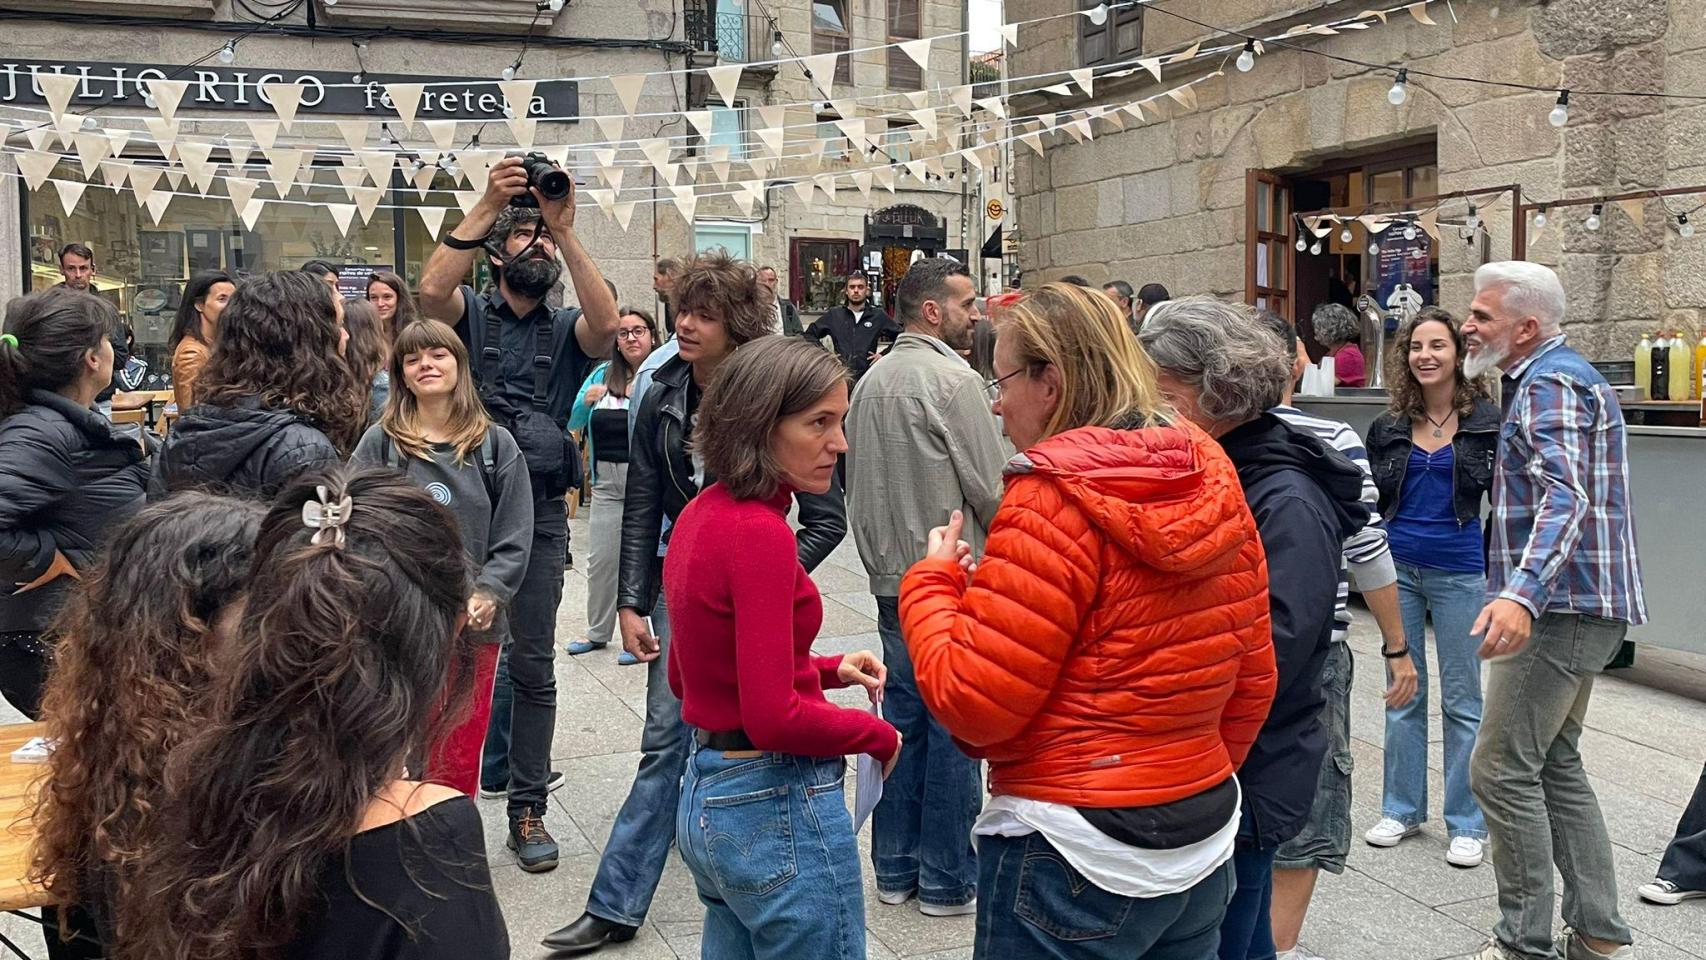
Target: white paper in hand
[867, 780]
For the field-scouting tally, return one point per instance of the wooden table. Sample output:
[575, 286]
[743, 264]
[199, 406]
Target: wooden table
[17, 808]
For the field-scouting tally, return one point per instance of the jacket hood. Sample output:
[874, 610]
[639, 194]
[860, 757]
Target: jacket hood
[1165, 494]
[210, 444]
[1268, 445]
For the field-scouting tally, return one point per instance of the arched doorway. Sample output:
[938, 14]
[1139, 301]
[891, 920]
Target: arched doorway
[893, 233]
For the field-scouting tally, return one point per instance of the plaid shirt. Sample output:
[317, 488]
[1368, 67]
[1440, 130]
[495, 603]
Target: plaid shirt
[1563, 529]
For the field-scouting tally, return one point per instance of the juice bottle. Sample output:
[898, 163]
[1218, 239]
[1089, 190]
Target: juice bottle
[1644, 369]
[1700, 369]
[1681, 368]
[1660, 370]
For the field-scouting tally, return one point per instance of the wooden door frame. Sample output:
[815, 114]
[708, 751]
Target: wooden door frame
[1253, 238]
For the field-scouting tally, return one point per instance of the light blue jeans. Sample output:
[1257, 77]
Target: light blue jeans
[1454, 600]
[771, 848]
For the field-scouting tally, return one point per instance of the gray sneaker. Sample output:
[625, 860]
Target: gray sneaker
[1571, 947]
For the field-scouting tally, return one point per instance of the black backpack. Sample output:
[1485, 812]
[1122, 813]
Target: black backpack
[486, 460]
[553, 459]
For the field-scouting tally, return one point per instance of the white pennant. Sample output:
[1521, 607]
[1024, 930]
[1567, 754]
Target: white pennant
[885, 177]
[604, 198]
[761, 166]
[1034, 140]
[405, 99]
[1085, 77]
[143, 180]
[466, 200]
[36, 166]
[167, 95]
[1010, 33]
[377, 163]
[822, 69]
[351, 177]
[194, 157]
[343, 214]
[524, 130]
[70, 191]
[164, 132]
[628, 90]
[961, 96]
[918, 98]
[624, 214]
[432, 218]
[1135, 108]
[614, 129]
[115, 172]
[803, 190]
[283, 164]
[743, 200]
[354, 132]
[442, 132]
[91, 149]
[57, 89]
[38, 136]
[919, 51]
[251, 212]
[1186, 95]
[241, 191]
[772, 138]
[613, 177]
[685, 201]
[367, 200]
[701, 121]
[727, 80]
[285, 98]
[519, 95]
[175, 177]
[265, 132]
[993, 105]
[656, 150]
[157, 205]
[720, 154]
[67, 126]
[826, 183]
[423, 180]
[862, 180]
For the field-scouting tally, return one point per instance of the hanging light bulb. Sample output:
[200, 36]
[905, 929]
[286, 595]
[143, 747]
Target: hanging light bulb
[1301, 245]
[1315, 248]
[448, 165]
[1099, 14]
[1409, 231]
[385, 135]
[508, 73]
[1540, 218]
[1374, 248]
[331, 3]
[148, 100]
[1683, 226]
[1345, 235]
[1399, 92]
[1560, 114]
[228, 53]
[355, 78]
[1592, 222]
[776, 47]
[1473, 220]
[90, 124]
[1247, 60]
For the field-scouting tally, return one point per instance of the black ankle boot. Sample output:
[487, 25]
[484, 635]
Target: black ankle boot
[588, 934]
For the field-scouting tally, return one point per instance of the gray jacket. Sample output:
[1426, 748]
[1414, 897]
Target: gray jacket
[922, 444]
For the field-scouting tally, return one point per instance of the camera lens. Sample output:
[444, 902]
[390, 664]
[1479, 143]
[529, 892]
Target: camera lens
[553, 183]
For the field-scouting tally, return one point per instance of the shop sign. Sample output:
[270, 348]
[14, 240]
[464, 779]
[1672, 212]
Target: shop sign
[239, 89]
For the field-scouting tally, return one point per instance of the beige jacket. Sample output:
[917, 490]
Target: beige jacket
[922, 444]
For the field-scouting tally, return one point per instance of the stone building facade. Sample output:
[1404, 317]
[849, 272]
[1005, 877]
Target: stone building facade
[1174, 199]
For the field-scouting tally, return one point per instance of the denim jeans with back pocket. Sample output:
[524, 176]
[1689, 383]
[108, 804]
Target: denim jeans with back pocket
[771, 847]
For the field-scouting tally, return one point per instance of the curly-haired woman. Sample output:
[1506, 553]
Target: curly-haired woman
[129, 682]
[276, 398]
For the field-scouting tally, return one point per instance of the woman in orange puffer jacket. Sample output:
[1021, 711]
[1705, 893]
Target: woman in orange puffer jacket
[1109, 656]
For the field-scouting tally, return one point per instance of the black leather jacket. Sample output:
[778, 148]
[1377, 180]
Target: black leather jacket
[1473, 450]
[660, 484]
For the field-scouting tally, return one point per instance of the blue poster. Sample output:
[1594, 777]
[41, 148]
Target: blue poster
[1403, 261]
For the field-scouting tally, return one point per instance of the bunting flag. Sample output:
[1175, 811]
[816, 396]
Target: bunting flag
[466, 200]
[961, 97]
[862, 180]
[367, 200]
[1034, 140]
[821, 68]
[628, 90]
[423, 180]
[613, 177]
[727, 80]
[1085, 77]
[885, 177]
[351, 177]
[743, 200]
[918, 98]
[614, 129]
[685, 201]
[1186, 95]
[115, 172]
[92, 148]
[826, 183]
[285, 98]
[251, 213]
[283, 164]
[194, 157]
[378, 164]
[523, 130]
[926, 120]
[38, 136]
[624, 214]
[803, 190]
[993, 105]
[67, 126]
[57, 89]
[700, 121]
[919, 51]
[518, 95]
[354, 132]
[240, 191]
[1135, 108]
[720, 153]
[432, 218]
[143, 180]
[442, 132]
[343, 214]
[771, 137]
[1153, 65]
[70, 191]
[164, 132]
[604, 198]
[1010, 33]
[1420, 12]
[175, 177]
[265, 133]
[157, 204]
[167, 95]
[36, 166]
[405, 99]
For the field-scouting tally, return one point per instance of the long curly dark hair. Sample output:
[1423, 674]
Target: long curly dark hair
[279, 341]
[130, 680]
[347, 662]
[1404, 394]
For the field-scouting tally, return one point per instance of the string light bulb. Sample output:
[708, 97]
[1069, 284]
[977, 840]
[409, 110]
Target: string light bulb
[1247, 60]
[1099, 14]
[1315, 248]
[1540, 218]
[1301, 245]
[385, 136]
[228, 53]
[776, 46]
[1410, 231]
[1473, 220]
[1592, 223]
[508, 73]
[90, 124]
[1400, 91]
[1345, 235]
[1560, 114]
[148, 100]
[1683, 226]
[1374, 248]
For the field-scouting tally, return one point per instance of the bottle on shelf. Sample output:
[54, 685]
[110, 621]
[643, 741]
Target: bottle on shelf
[1660, 369]
[1700, 369]
[1681, 369]
[1644, 369]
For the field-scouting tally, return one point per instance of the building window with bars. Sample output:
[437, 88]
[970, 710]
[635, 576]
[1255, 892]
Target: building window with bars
[832, 33]
[904, 23]
[1118, 38]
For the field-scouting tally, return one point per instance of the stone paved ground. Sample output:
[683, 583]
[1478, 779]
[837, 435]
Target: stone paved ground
[1644, 747]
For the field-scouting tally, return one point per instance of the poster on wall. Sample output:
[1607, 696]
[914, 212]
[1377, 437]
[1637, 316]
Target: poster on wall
[352, 278]
[1404, 261]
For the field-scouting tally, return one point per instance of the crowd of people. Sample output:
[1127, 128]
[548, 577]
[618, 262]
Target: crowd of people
[281, 650]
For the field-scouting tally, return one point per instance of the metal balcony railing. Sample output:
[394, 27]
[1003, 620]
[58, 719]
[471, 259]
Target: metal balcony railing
[728, 30]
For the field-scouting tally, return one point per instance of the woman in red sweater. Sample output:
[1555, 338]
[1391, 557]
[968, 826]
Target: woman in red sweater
[762, 822]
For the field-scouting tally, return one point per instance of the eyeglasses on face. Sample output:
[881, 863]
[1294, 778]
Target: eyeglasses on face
[633, 334]
[995, 384]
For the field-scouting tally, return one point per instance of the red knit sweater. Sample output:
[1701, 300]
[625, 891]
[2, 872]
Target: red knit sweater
[743, 614]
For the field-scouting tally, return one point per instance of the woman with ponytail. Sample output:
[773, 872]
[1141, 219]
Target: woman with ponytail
[66, 478]
[293, 826]
[129, 683]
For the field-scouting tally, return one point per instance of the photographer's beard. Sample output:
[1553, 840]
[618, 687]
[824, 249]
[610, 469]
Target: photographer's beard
[533, 277]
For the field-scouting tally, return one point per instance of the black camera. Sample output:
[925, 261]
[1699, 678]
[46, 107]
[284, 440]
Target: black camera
[552, 182]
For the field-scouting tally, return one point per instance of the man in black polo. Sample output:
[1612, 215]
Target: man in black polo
[518, 390]
[856, 329]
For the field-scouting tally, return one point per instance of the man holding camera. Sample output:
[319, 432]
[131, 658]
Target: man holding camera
[529, 361]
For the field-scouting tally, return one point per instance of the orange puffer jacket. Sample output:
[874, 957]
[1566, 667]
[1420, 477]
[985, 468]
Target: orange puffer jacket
[1113, 647]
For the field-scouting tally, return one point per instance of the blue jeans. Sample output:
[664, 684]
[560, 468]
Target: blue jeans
[524, 691]
[770, 844]
[1325, 841]
[638, 848]
[1454, 600]
[1247, 933]
[921, 829]
[1033, 904]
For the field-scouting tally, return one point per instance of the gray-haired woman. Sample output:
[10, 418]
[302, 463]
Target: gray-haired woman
[1337, 328]
[1223, 370]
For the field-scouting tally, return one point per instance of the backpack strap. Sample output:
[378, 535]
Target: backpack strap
[386, 451]
[545, 336]
[491, 351]
[488, 466]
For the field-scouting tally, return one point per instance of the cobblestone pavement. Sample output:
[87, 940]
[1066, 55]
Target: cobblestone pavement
[1644, 745]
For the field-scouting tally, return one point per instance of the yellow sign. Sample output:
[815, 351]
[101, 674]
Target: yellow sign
[994, 209]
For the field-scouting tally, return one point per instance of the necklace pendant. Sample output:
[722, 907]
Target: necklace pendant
[1437, 432]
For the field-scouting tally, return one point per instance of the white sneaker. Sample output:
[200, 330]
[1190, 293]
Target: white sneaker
[1389, 833]
[896, 897]
[1465, 852]
[948, 910]
[1667, 894]
[1298, 952]
[1494, 950]
[1571, 947]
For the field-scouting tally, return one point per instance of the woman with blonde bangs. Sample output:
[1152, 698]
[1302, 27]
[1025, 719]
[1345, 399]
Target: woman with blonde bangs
[1109, 655]
[435, 430]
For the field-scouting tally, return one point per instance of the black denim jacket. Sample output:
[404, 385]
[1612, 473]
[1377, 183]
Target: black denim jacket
[1473, 450]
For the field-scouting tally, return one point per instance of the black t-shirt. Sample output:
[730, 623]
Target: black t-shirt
[430, 872]
[569, 363]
